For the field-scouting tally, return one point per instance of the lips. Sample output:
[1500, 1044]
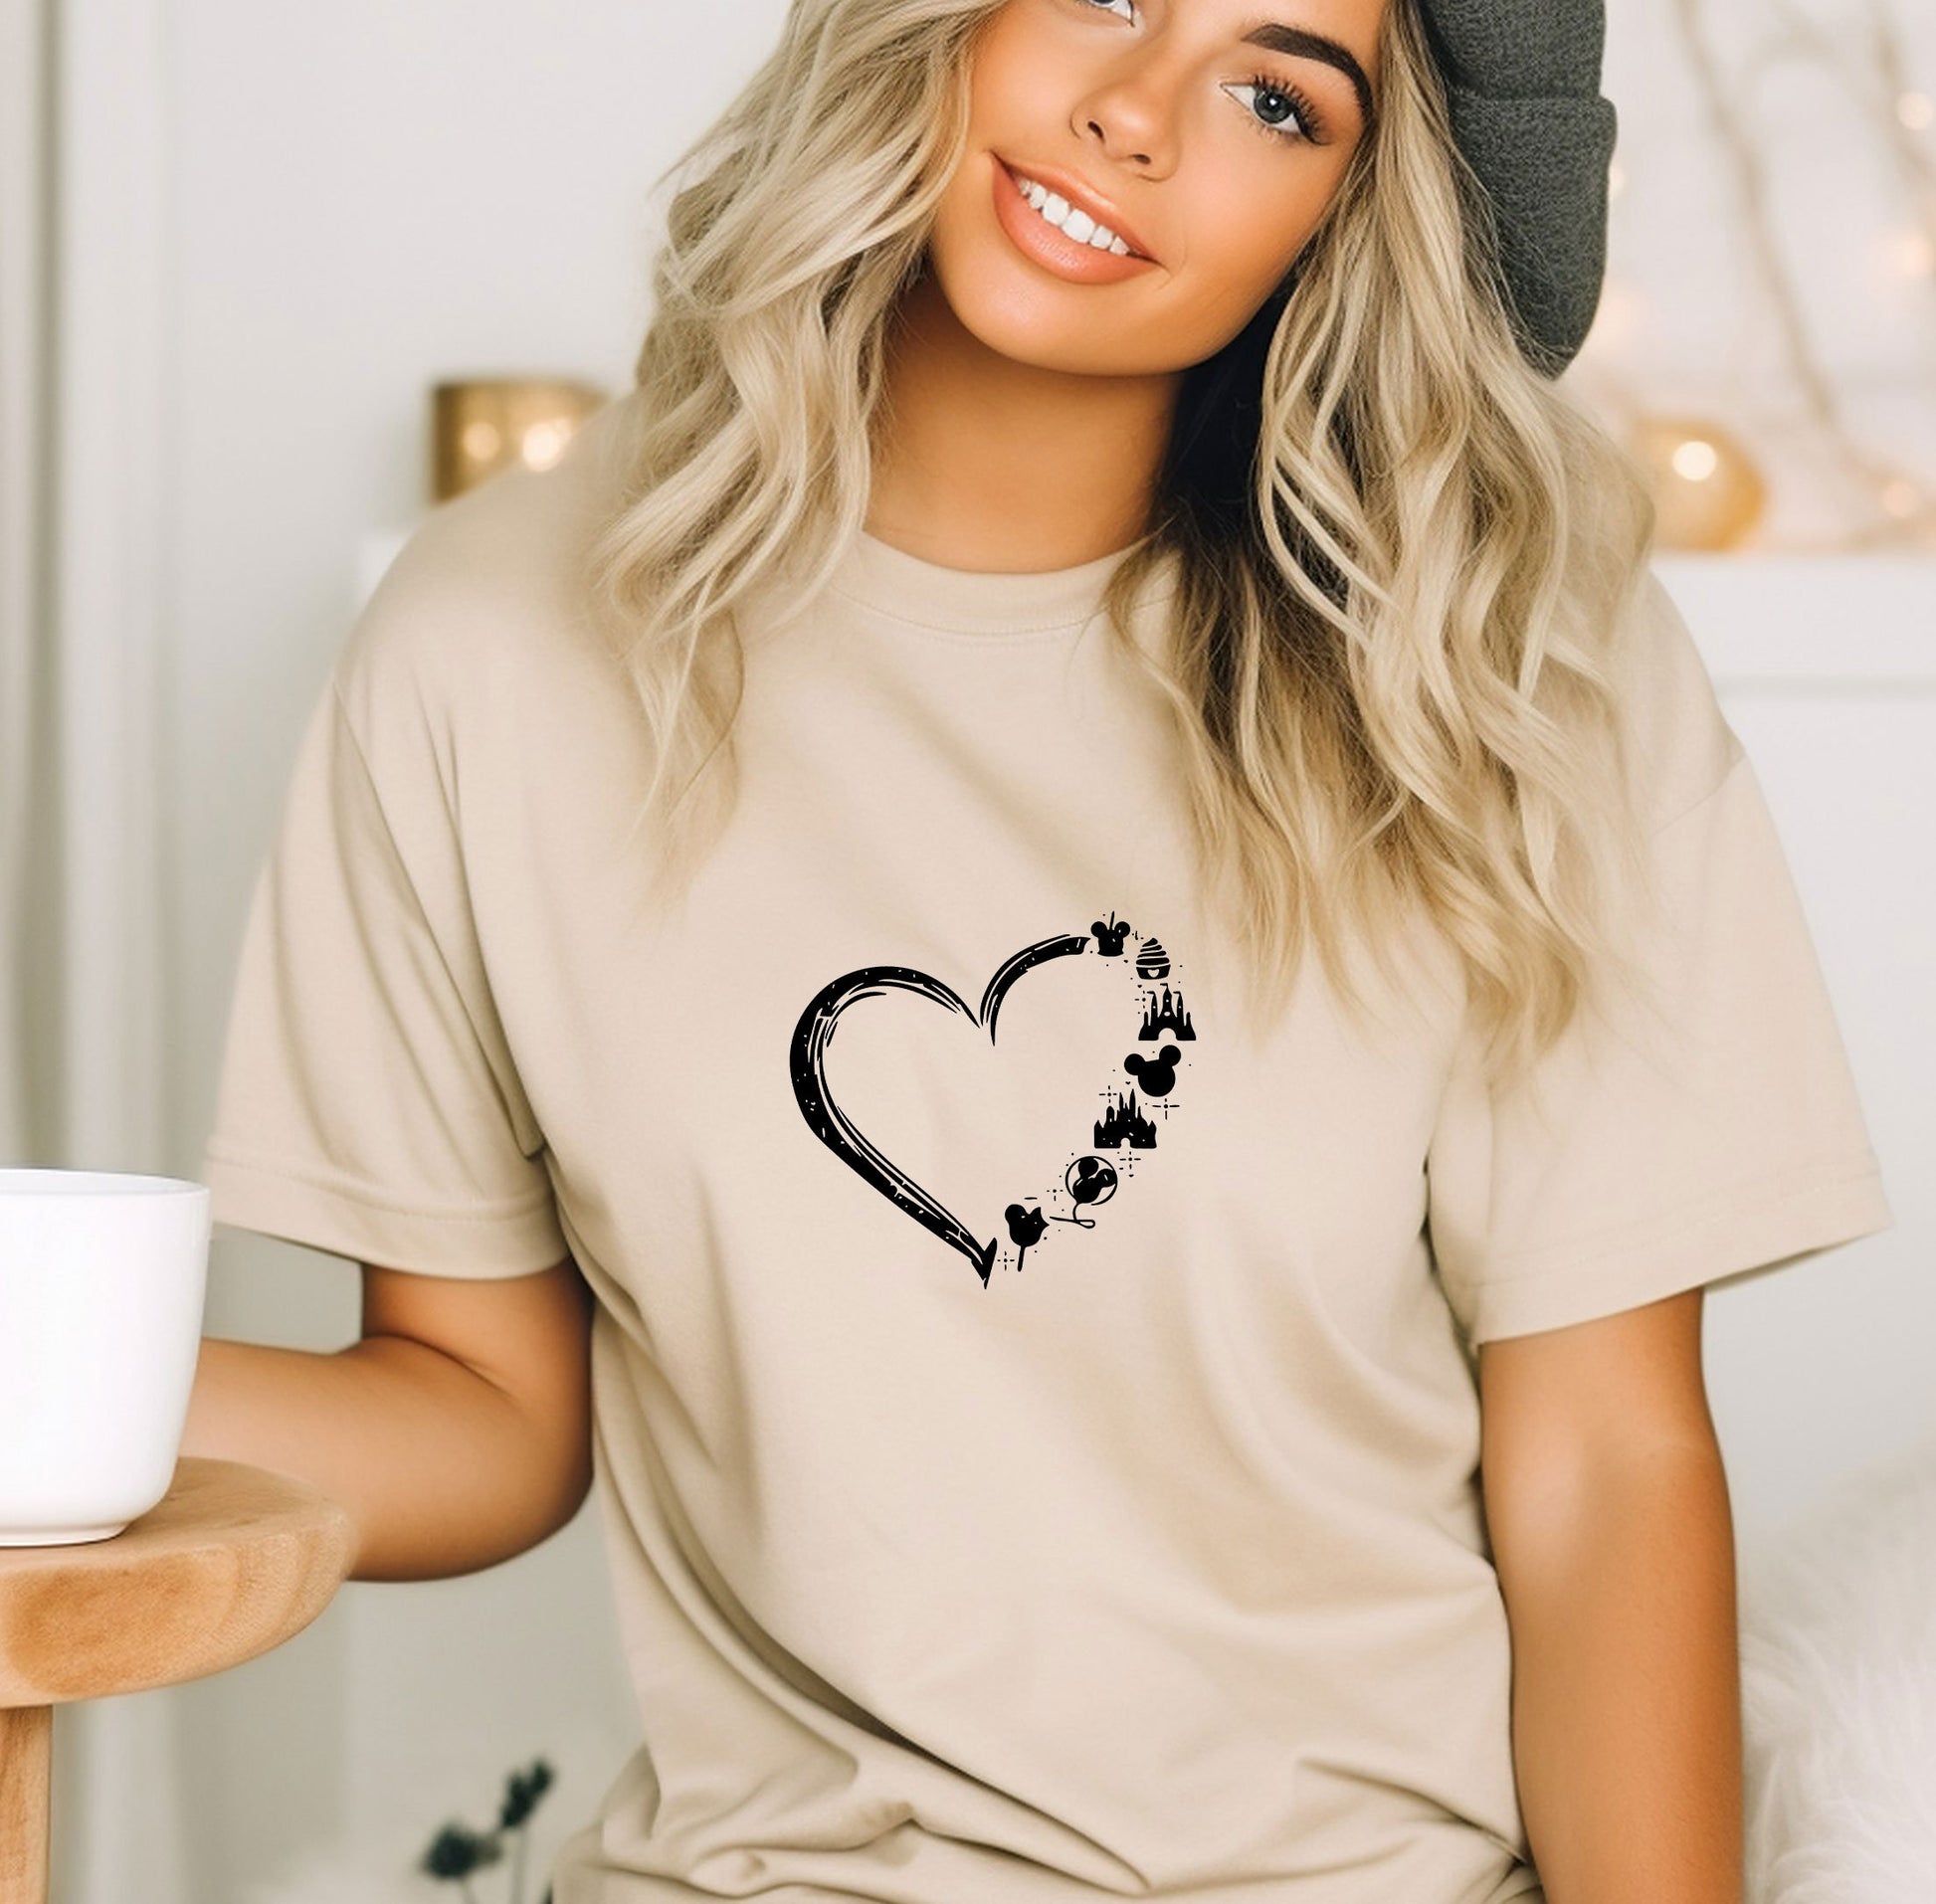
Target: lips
[1084, 198]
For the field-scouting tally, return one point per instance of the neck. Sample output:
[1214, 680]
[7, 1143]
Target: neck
[983, 463]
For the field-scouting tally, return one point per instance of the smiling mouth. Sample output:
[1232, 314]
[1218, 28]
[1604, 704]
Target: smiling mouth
[1074, 221]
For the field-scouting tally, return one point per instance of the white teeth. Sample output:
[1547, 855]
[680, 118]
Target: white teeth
[1072, 223]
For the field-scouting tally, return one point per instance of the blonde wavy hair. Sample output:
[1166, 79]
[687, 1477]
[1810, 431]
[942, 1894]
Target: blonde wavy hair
[1404, 557]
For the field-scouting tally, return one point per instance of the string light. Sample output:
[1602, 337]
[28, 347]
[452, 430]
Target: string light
[1902, 507]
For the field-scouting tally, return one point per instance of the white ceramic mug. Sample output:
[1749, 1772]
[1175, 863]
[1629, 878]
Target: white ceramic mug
[103, 1278]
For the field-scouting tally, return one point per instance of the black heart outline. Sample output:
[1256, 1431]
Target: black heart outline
[807, 1059]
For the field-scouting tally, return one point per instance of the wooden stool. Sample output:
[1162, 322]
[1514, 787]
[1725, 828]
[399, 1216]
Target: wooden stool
[230, 1563]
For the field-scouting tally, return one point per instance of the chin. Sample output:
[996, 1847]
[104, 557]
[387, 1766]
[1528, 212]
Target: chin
[1043, 325]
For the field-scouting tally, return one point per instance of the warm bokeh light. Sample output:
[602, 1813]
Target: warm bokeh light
[1695, 460]
[1834, 340]
[544, 444]
[481, 424]
[1707, 490]
[1912, 255]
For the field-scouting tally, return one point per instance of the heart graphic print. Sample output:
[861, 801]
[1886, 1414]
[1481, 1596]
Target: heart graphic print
[1135, 1098]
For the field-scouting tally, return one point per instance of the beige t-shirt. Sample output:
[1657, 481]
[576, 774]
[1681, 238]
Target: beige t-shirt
[1036, 1422]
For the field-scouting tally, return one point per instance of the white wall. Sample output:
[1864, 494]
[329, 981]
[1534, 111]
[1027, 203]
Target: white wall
[1827, 669]
[366, 198]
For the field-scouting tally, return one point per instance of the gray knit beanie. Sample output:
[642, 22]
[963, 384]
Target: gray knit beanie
[1523, 81]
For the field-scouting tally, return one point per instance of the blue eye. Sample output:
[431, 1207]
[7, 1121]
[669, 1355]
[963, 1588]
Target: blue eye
[1278, 111]
[1274, 107]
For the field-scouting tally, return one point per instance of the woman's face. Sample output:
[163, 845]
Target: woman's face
[1206, 136]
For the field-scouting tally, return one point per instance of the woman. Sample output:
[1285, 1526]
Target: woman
[1074, 878]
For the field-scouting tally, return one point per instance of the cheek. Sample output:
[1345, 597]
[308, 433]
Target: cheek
[1236, 259]
[1017, 77]
[1251, 224]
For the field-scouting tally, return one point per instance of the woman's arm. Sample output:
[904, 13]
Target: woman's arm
[457, 1433]
[1610, 1528]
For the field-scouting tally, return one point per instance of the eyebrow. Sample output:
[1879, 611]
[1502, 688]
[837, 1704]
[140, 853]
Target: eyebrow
[1300, 44]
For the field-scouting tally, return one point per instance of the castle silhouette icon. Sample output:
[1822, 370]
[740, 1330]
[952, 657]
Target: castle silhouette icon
[1165, 1014]
[1124, 1123]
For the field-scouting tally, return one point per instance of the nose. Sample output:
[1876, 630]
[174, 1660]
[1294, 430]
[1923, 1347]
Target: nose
[1129, 117]
[1100, 133]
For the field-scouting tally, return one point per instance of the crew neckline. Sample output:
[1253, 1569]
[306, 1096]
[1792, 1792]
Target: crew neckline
[921, 594]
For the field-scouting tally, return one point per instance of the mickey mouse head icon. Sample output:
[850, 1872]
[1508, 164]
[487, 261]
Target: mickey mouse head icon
[1157, 1075]
[1109, 936]
[1089, 1181]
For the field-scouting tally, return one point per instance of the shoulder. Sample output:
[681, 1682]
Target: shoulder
[490, 586]
[1682, 745]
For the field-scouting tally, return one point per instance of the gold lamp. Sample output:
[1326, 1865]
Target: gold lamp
[481, 425]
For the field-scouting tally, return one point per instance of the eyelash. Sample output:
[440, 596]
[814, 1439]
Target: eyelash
[1311, 124]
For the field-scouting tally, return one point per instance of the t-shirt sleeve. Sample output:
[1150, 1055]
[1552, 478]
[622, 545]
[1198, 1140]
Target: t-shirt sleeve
[367, 1102]
[1705, 1127]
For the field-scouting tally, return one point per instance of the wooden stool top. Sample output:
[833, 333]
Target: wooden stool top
[232, 1562]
